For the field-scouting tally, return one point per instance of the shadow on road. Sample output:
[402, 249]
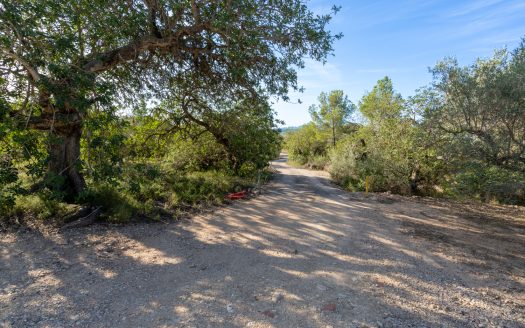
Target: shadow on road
[304, 254]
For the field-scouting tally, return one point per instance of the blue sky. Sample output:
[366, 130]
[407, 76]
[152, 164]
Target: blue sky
[402, 39]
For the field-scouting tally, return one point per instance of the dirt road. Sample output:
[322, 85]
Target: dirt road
[303, 254]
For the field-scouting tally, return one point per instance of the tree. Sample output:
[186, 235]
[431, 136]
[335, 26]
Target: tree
[305, 144]
[247, 129]
[333, 112]
[481, 108]
[384, 147]
[60, 58]
[382, 103]
[475, 116]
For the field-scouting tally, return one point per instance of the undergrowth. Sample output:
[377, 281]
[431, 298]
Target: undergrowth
[143, 192]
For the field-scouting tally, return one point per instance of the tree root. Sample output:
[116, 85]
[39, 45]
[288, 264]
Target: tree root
[84, 217]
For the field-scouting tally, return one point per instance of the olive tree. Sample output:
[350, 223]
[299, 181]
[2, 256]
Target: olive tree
[481, 110]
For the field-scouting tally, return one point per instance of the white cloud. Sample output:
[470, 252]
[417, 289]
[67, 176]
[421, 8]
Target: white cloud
[485, 30]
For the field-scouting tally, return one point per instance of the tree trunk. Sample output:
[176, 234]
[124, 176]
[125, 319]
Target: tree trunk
[414, 180]
[64, 161]
[333, 133]
[234, 163]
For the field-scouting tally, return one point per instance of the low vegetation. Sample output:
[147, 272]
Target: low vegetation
[463, 136]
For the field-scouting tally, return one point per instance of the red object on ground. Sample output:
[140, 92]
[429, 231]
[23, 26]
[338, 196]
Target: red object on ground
[269, 313]
[330, 307]
[236, 195]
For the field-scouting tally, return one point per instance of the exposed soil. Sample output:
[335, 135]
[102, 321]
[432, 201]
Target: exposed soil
[303, 254]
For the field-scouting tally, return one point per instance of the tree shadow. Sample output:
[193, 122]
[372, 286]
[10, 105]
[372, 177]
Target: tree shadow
[304, 254]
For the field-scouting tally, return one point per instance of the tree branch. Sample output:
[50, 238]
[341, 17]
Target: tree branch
[195, 12]
[105, 61]
[30, 69]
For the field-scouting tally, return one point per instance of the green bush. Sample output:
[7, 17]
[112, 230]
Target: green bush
[488, 183]
[384, 155]
[307, 146]
[204, 153]
[145, 190]
[117, 205]
[9, 187]
[42, 205]
[319, 162]
[344, 166]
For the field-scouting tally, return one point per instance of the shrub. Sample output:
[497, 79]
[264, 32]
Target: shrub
[385, 156]
[488, 183]
[9, 186]
[344, 164]
[117, 205]
[42, 205]
[146, 190]
[307, 146]
[184, 154]
[319, 162]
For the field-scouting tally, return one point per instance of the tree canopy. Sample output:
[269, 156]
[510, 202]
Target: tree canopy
[382, 102]
[60, 60]
[332, 112]
[461, 136]
[482, 108]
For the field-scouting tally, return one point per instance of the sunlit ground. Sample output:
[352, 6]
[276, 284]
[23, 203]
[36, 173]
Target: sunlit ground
[304, 254]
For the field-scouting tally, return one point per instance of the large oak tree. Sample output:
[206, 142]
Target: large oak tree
[59, 58]
[480, 109]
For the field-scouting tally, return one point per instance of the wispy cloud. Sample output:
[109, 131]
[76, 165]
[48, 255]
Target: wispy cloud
[472, 7]
[315, 75]
[402, 39]
[405, 10]
[482, 20]
[385, 71]
[503, 38]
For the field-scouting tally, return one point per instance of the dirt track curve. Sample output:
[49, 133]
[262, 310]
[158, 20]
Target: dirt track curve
[303, 254]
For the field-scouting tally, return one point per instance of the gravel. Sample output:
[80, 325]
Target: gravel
[303, 254]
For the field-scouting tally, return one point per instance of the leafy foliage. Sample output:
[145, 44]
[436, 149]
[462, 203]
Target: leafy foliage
[480, 108]
[463, 136]
[66, 66]
[310, 144]
[382, 150]
[332, 113]
[143, 106]
[382, 103]
[307, 146]
[8, 184]
[477, 117]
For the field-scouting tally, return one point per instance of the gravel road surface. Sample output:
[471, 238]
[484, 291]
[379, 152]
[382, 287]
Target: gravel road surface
[302, 254]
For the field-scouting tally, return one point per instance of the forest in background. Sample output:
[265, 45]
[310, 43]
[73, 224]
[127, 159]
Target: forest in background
[461, 137]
